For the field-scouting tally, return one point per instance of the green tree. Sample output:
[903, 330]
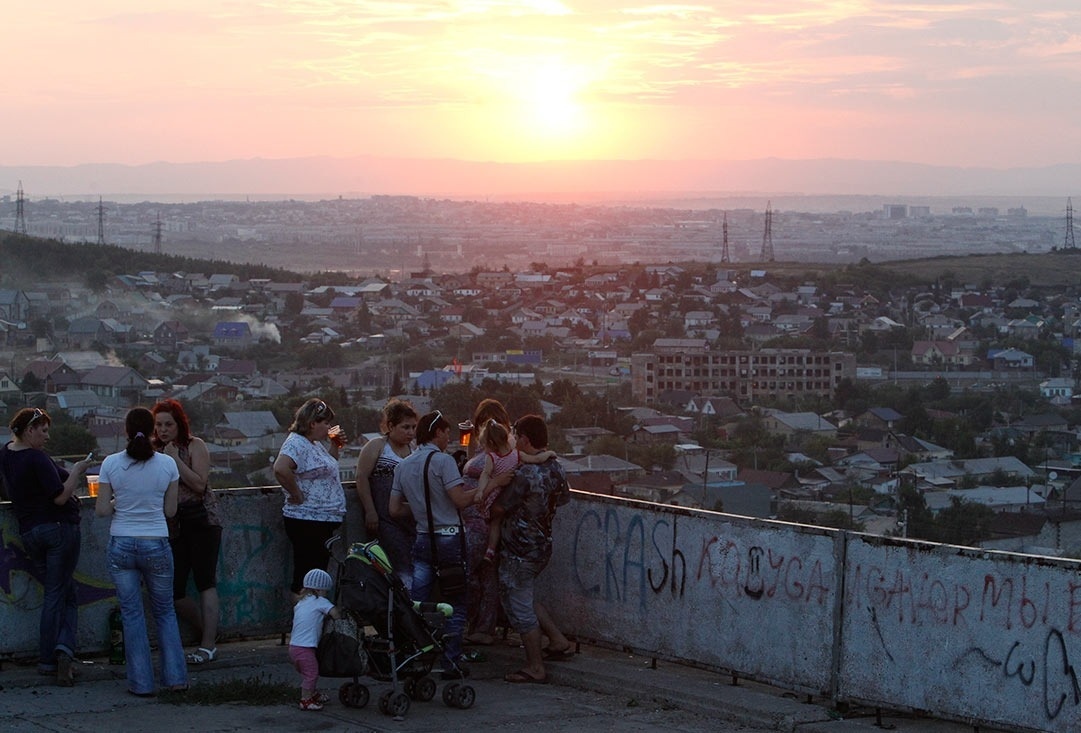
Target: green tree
[912, 508]
[963, 522]
[69, 439]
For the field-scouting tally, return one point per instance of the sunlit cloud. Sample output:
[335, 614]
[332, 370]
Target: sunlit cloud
[562, 72]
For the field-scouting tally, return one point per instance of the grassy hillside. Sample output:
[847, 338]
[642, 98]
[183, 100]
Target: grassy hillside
[1050, 269]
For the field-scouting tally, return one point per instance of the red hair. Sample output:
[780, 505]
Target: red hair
[183, 427]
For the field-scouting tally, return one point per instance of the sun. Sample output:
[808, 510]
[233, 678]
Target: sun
[548, 101]
[552, 102]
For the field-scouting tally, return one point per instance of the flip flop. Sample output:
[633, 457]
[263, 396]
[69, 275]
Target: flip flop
[559, 655]
[523, 677]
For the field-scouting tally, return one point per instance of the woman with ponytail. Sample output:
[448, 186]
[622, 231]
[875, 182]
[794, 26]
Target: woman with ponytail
[138, 488]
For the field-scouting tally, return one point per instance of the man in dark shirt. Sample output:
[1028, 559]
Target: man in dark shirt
[528, 505]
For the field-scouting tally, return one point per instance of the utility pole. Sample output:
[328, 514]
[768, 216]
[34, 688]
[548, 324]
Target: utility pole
[20, 213]
[767, 235]
[157, 235]
[1069, 243]
[101, 221]
[725, 257]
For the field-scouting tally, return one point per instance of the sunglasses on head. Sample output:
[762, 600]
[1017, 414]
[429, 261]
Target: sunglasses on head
[320, 408]
[38, 413]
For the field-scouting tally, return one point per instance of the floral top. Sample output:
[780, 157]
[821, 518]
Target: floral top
[530, 502]
[319, 480]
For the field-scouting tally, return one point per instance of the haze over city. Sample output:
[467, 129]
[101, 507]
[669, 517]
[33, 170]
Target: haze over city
[962, 86]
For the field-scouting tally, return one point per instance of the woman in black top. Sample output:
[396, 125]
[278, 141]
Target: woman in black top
[42, 495]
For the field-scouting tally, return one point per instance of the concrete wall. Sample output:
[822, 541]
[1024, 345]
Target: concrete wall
[253, 575]
[972, 635]
[725, 591]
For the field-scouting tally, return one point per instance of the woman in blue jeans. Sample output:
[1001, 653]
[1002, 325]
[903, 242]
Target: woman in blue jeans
[42, 496]
[138, 488]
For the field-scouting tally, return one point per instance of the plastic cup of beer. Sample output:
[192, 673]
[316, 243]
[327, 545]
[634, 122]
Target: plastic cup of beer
[334, 433]
[465, 430]
[92, 485]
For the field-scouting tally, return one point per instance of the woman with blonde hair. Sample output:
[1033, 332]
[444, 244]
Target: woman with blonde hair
[315, 500]
[43, 497]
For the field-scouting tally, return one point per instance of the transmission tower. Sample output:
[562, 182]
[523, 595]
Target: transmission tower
[358, 243]
[157, 235]
[20, 213]
[1070, 243]
[101, 221]
[725, 257]
[767, 236]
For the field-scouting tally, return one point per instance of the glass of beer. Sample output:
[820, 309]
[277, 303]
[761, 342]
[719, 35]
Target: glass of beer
[334, 433]
[92, 485]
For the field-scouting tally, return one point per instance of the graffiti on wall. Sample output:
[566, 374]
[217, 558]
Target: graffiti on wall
[629, 560]
[14, 562]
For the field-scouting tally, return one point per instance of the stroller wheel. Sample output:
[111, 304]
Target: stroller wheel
[423, 689]
[395, 704]
[353, 695]
[464, 697]
[449, 694]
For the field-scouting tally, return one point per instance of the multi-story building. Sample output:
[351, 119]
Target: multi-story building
[747, 375]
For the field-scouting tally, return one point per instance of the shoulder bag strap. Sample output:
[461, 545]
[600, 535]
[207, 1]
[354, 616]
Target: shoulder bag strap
[431, 522]
[428, 507]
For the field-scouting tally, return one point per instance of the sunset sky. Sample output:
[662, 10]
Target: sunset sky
[992, 83]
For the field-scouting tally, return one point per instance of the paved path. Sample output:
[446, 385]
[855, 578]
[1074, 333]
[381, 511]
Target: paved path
[599, 690]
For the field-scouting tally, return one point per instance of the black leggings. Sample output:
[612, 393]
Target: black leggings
[309, 549]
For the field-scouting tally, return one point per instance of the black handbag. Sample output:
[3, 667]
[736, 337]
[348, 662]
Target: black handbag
[450, 576]
[340, 652]
[192, 511]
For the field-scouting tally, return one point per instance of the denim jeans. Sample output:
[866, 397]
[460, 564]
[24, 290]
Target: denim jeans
[449, 550]
[150, 560]
[53, 548]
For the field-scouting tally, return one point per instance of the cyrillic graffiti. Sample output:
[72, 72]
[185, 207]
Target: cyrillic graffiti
[633, 568]
[1051, 665]
[919, 598]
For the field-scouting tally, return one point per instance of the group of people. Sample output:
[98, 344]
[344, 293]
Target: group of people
[493, 518]
[164, 527]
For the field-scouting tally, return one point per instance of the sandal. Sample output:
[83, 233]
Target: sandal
[202, 655]
[559, 655]
[523, 677]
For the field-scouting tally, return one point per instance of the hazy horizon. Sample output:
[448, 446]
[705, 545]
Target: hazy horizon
[802, 185]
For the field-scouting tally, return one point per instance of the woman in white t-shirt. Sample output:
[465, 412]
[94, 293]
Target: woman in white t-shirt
[315, 500]
[138, 488]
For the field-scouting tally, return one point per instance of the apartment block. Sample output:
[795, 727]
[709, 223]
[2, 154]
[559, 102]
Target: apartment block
[747, 375]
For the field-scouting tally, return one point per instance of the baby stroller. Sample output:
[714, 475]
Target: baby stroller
[408, 636]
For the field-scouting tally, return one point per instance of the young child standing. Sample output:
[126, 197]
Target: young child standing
[500, 456]
[308, 615]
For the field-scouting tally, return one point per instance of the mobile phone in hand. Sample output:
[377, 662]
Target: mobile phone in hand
[89, 456]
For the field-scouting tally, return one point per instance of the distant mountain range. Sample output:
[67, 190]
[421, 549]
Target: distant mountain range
[601, 180]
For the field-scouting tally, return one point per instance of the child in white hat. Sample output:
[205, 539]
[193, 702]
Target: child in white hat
[308, 615]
